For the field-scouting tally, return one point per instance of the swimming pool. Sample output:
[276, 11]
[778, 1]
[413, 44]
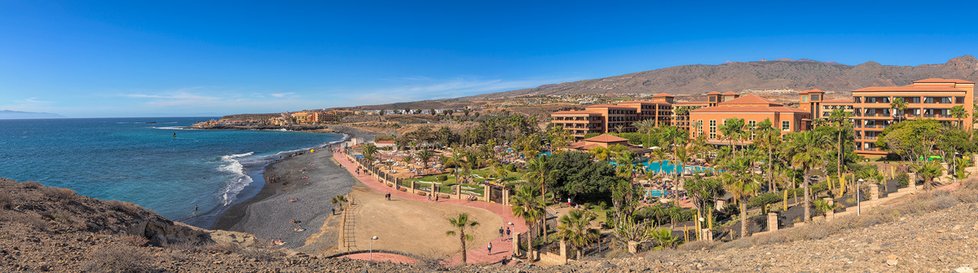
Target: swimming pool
[666, 167]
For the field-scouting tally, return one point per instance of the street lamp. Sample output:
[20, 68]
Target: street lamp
[371, 249]
[858, 205]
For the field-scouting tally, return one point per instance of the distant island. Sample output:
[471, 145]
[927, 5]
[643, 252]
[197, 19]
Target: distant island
[10, 114]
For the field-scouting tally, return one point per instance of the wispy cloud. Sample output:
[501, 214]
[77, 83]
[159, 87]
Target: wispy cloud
[220, 101]
[30, 104]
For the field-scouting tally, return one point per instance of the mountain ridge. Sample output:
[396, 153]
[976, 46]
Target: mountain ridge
[800, 74]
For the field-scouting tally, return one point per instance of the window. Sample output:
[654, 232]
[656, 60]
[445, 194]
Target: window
[751, 125]
[814, 97]
[785, 125]
[713, 129]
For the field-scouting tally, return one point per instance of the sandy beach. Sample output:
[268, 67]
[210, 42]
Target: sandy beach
[297, 188]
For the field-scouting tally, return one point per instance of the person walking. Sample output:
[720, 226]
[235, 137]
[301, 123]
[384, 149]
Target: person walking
[501, 231]
[489, 248]
[508, 231]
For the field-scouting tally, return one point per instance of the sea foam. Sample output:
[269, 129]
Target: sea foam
[239, 180]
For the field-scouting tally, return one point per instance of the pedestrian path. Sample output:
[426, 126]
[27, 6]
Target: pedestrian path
[502, 248]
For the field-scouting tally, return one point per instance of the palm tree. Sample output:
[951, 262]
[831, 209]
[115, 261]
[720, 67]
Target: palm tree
[575, 228]
[663, 237]
[424, 156]
[338, 201]
[527, 205]
[768, 139]
[928, 171]
[733, 130]
[823, 206]
[601, 153]
[741, 186]
[899, 107]
[369, 150]
[840, 120]
[807, 154]
[460, 224]
[704, 190]
[959, 113]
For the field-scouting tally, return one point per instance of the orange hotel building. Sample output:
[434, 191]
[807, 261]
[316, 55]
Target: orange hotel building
[871, 109]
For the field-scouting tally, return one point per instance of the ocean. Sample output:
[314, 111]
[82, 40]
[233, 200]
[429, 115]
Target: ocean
[191, 176]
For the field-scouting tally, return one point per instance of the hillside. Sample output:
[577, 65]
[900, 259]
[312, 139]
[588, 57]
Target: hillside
[759, 75]
[53, 229]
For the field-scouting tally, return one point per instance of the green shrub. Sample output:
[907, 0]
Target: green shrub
[764, 199]
[442, 178]
[903, 180]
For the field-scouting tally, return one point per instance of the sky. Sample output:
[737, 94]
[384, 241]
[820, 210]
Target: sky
[211, 58]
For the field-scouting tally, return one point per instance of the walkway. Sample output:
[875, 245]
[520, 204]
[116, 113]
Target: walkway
[502, 248]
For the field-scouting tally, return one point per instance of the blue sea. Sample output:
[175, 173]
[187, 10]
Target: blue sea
[140, 160]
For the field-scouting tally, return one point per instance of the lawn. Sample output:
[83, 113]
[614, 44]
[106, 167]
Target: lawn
[478, 176]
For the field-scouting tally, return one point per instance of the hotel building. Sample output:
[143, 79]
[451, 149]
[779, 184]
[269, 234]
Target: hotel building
[928, 98]
[871, 111]
[753, 109]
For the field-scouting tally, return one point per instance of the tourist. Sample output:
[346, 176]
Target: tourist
[508, 231]
[489, 247]
[501, 231]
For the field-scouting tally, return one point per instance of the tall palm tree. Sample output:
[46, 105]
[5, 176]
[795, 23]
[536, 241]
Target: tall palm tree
[733, 130]
[959, 113]
[840, 121]
[899, 107]
[460, 224]
[768, 139]
[527, 205]
[575, 228]
[807, 150]
[741, 184]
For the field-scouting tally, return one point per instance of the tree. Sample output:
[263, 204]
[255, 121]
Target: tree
[574, 174]
[959, 113]
[527, 205]
[928, 171]
[424, 156]
[741, 186]
[899, 107]
[913, 140]
[338, 201]
[369, 150]
[704, 191]
[663, 237]
[575, 228]
[460, 224]
[807, 150]
[840, 121]
[823, 206]
[733, 130]
[768, 139]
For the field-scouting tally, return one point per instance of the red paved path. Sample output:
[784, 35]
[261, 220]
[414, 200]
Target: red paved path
[501, 247]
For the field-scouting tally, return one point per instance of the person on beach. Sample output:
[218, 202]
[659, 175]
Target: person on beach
[501, 231]
[508, 231]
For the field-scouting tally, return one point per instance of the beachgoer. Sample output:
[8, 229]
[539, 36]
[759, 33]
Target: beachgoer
[508, 231]
[501, 231]
[195, 210]
[489, 247]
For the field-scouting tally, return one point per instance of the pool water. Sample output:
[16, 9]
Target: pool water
[666, 167]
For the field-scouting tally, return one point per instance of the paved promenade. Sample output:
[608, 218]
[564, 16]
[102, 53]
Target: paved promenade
[501, 247]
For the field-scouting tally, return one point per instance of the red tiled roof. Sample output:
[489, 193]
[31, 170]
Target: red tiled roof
[910, 88]
[713, 93]
[662, 95]
[606, 106]
[814, 90]
[942, 80]
[747, 108]
[750, 99]
[693, 103]
[572, 112]
[605, 138]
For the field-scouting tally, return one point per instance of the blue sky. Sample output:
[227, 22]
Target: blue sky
[190, 58]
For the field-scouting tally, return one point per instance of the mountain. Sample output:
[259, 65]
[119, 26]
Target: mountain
[9, 114]
[758, 75]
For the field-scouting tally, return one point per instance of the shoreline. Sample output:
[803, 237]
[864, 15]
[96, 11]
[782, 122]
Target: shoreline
[298, 186]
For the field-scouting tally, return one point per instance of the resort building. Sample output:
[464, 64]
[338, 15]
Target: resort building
[753, 109]
[818, 107]
[928, 98]
[680, 113]
[605, 118]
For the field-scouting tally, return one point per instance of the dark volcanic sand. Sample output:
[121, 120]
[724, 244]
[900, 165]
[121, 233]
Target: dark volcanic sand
[312, 179]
